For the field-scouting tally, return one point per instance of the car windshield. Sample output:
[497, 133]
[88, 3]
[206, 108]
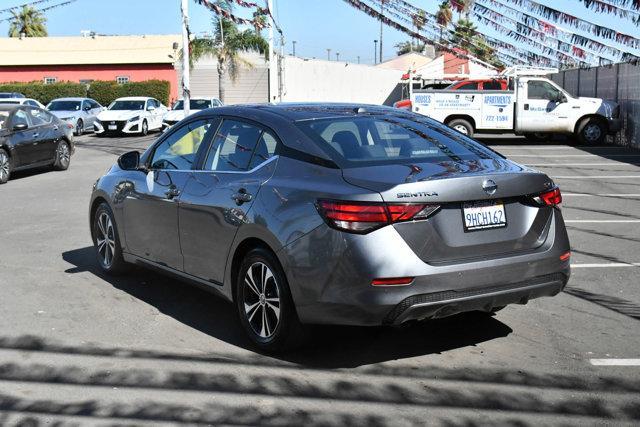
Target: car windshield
[127, 105]
[194, 104]
[10, 95]
[64, 106]
[4, 117]
[358, 141]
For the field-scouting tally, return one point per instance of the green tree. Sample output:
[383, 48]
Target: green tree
[419, 19]
[227, 45]
[28, 21]
[444, 16]
[462, 7]
[464, 33]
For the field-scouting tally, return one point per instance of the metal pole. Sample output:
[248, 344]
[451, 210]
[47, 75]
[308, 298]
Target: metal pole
[186, 103]
[294, 47]
[375, 52]
[328, 54]
[337, 56]
[381, 13]
[358, 59]
[273, 70]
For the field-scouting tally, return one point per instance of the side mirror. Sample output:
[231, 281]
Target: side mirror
[151, 108]
[87, 108]
[129, 161]
[20, 126]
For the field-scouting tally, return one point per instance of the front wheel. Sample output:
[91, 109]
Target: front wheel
[106, 241]
[79, 128]
[62, 157]
[592, 131]
[264, 303]
[462, 126]
[145, 128]
[5, 167]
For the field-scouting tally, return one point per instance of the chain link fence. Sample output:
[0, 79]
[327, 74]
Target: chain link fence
[620, 83]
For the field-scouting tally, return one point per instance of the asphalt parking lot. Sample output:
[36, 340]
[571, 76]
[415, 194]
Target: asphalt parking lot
[78, 348]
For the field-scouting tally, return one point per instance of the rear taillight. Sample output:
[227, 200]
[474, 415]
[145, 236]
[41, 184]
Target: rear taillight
[551, 198]
[358, 217]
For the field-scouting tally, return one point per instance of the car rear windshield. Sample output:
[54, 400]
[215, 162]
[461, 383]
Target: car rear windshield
[64, 106]
[194, 104]
[127, 105]
[360, 141]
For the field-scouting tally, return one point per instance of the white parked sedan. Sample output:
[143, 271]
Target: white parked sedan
[196, 104]
[22, 101]
[135, 114]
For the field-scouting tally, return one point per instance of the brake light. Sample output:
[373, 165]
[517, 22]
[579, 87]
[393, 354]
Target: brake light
[551, 198]
[357, 217]
[394, 281]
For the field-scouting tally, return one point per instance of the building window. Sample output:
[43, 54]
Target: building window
[86, 81]
[50, 80]
[122, 79]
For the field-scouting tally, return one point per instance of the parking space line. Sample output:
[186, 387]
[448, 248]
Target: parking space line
[601, 195]
[607, 265]
[600, 221]
[552, 147]
[615, 362]
[573, 155]
[583, 164]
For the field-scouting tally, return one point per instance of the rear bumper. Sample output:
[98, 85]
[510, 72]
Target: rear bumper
[442, 304]
[614, 125]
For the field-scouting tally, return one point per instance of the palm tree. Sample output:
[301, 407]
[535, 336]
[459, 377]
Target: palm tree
[462, 6]
[28, 21]
[227, 49]
[464, 33]
[419, 19]
[444, 16]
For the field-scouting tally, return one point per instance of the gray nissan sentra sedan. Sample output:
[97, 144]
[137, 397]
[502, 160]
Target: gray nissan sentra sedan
[332, 213]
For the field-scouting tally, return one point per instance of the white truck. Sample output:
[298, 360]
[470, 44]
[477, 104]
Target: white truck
[532, 105]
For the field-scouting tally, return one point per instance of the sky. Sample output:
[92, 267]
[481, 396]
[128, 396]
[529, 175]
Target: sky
[315, 25]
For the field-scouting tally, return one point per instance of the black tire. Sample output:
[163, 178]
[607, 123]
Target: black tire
[537, 136]
[5, 166]
[462, 126]
[592, 131]
[497, 309]
[144, 128]
[62, 158]
[79, 128]
[109, 253]
[270, 304]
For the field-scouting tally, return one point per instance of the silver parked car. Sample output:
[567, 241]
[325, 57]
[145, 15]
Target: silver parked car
[341, 214]
[80, 112]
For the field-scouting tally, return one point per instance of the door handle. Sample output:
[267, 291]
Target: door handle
[242, 197]
[35, 135]
[172, 192]
[55, 128]
[526, 106]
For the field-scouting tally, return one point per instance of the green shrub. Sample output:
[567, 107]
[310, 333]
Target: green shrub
[45, 93]
[102, 91]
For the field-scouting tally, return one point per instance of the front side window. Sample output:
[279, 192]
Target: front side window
[391, 139]
[178, 151]
[20, 117]
[39, 117]
[542, 90]
[233, 146]
[64, 106]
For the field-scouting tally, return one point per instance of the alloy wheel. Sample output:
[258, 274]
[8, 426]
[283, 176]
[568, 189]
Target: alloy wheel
[79, 127]
[461, 129]
[261, 300]
[105, 239]
[63, 155]
[592, 132]
[4, 167]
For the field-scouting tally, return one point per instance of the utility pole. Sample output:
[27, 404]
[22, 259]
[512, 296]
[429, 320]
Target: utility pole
[381, 13]
[375, 52]
[294, 47]
[328, 54]
[337, 56]
[358, 59]
[186, 96]
[273, 70]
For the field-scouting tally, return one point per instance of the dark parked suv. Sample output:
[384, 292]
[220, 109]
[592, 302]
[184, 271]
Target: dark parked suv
[343, 214]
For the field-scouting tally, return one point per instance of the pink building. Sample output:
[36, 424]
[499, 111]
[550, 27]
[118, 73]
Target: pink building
[83, 59]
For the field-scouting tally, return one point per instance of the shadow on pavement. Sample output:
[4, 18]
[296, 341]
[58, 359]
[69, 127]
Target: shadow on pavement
[328, 347]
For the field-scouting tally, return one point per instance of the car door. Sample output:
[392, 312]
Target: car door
[22, 138]
[93, 113]
[45, 135]
[216, 201]
[541, 107]
[151, 207]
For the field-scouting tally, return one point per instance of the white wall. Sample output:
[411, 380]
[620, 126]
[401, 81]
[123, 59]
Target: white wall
[314, 80]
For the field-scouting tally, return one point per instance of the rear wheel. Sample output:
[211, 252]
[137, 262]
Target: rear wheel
[592, 131]
[62, 157]
[462, 126]
[5, 166]
[106, 241]
[264, 303]
[79, 127]
[537, 136]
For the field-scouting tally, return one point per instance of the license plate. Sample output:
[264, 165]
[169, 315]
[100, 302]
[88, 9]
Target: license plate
[482, 215]
[113, 127]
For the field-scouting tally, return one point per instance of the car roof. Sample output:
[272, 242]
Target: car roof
[70, 99]
[310, 111]
[134, 98]
[9, 107]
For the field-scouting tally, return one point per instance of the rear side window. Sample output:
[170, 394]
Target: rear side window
[392, 139]
[265, 149]
[492, 85]
[233, 147]
[39, 117]
[469, 86]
